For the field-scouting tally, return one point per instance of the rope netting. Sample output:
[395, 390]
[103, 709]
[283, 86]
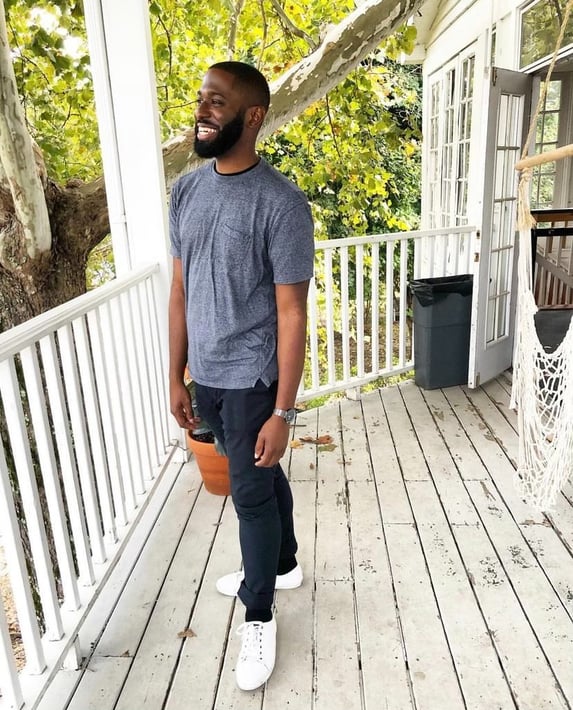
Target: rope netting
[543, 381]
[542, 391]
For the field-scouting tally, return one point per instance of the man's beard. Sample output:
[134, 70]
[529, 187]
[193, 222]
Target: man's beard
[225, 140]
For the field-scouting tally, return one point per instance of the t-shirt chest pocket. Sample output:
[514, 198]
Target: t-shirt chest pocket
[234, 245]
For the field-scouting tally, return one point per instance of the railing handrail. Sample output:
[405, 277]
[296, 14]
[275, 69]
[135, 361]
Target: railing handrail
[391, 236]
[26, 334]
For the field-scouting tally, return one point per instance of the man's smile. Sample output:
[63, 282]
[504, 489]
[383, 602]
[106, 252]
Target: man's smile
[205, 132]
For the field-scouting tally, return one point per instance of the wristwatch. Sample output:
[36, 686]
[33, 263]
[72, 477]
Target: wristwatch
[288, 415]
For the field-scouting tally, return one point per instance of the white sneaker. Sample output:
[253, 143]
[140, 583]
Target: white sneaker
[230, 583]
[257, 656]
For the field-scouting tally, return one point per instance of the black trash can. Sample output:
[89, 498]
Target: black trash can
[442, 317]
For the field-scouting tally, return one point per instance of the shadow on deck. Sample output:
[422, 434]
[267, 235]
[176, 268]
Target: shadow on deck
[429, 584]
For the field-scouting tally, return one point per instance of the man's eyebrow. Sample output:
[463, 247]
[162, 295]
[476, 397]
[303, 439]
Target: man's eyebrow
[210, 92]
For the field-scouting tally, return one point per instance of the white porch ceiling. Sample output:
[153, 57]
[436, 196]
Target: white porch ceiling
[423, 21]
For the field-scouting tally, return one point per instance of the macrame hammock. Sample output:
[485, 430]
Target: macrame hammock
[542, 388]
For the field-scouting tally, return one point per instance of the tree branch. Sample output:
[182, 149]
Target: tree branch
[289, 24]
[265, 33]
[235, 15]
[19, 170]
[331, 124]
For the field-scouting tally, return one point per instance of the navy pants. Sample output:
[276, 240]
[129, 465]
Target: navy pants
[262, 496]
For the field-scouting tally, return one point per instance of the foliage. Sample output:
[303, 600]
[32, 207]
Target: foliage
[51, 64]
[356, 153]
[101, 265]
[540, 26]
[186, 43]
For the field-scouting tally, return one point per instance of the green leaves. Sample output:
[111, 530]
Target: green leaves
[51, 64]
[357, 153]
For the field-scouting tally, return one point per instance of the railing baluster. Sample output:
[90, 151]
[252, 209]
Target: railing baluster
[389, 303]
[18, 570]
[403, 302]
[31, 503]
[49, 468]
[375, 305]
[344, 291]
[94, 427]
[360, 309]
[11, 690]
[313, 337]
[330, 345]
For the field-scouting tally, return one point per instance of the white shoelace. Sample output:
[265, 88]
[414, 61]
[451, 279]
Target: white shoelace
[252, 645]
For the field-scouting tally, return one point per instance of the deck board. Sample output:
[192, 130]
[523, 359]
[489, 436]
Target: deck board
[429, 583]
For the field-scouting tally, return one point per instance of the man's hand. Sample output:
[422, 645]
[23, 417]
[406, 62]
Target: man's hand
[181, 407]
[271, 442]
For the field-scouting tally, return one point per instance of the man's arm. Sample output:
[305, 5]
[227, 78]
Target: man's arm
[291, 346]
[180, 400]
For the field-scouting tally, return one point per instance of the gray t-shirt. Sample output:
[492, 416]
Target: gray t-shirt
[237, 236]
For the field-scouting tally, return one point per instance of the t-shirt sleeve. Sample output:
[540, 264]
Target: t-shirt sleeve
[174, 236]
[291, 245]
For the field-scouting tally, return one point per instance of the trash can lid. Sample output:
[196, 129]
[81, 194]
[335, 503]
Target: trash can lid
[431, 290]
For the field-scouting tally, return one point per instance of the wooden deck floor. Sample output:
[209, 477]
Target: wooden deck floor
[429, 584]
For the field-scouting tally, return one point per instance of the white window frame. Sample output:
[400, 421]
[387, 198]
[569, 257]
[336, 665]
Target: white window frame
[544, 61]
[444, 149]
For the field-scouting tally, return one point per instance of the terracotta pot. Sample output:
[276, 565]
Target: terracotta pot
[213, 467]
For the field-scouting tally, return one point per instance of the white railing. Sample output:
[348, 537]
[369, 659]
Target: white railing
[83, 410]
[84, 421]
[360, 326]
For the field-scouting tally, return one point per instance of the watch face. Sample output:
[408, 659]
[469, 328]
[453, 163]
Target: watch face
[290, 416]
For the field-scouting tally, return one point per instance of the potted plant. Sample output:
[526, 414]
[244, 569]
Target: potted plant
[208, 452]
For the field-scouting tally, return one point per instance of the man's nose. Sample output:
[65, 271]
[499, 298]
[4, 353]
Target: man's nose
[203, 108]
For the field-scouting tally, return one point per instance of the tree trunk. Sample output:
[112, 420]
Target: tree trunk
[30, 286]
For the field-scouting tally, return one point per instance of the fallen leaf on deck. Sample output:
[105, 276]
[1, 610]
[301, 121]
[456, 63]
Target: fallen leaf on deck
[324, 439]
[125, 654]
[328, 447]
[295, 444]
[311, 466]
[186, 634]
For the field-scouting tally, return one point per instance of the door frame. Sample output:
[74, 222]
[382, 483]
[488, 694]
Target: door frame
[488, 358]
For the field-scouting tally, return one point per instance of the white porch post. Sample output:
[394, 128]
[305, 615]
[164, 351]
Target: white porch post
[119, 37]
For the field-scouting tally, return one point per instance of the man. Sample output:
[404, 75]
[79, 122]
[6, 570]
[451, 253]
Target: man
[243, 254]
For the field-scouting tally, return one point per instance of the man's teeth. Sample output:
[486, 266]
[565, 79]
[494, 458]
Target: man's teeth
[205, 131]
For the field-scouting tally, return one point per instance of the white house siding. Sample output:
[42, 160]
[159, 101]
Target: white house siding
[460, 29]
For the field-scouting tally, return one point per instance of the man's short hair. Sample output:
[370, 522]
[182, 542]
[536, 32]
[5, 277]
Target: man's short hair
[250, 79]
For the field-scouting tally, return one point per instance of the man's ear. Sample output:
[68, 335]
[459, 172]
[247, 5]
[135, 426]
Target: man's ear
[255, 116]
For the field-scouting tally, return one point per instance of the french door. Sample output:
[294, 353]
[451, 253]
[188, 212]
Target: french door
[507, 102]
